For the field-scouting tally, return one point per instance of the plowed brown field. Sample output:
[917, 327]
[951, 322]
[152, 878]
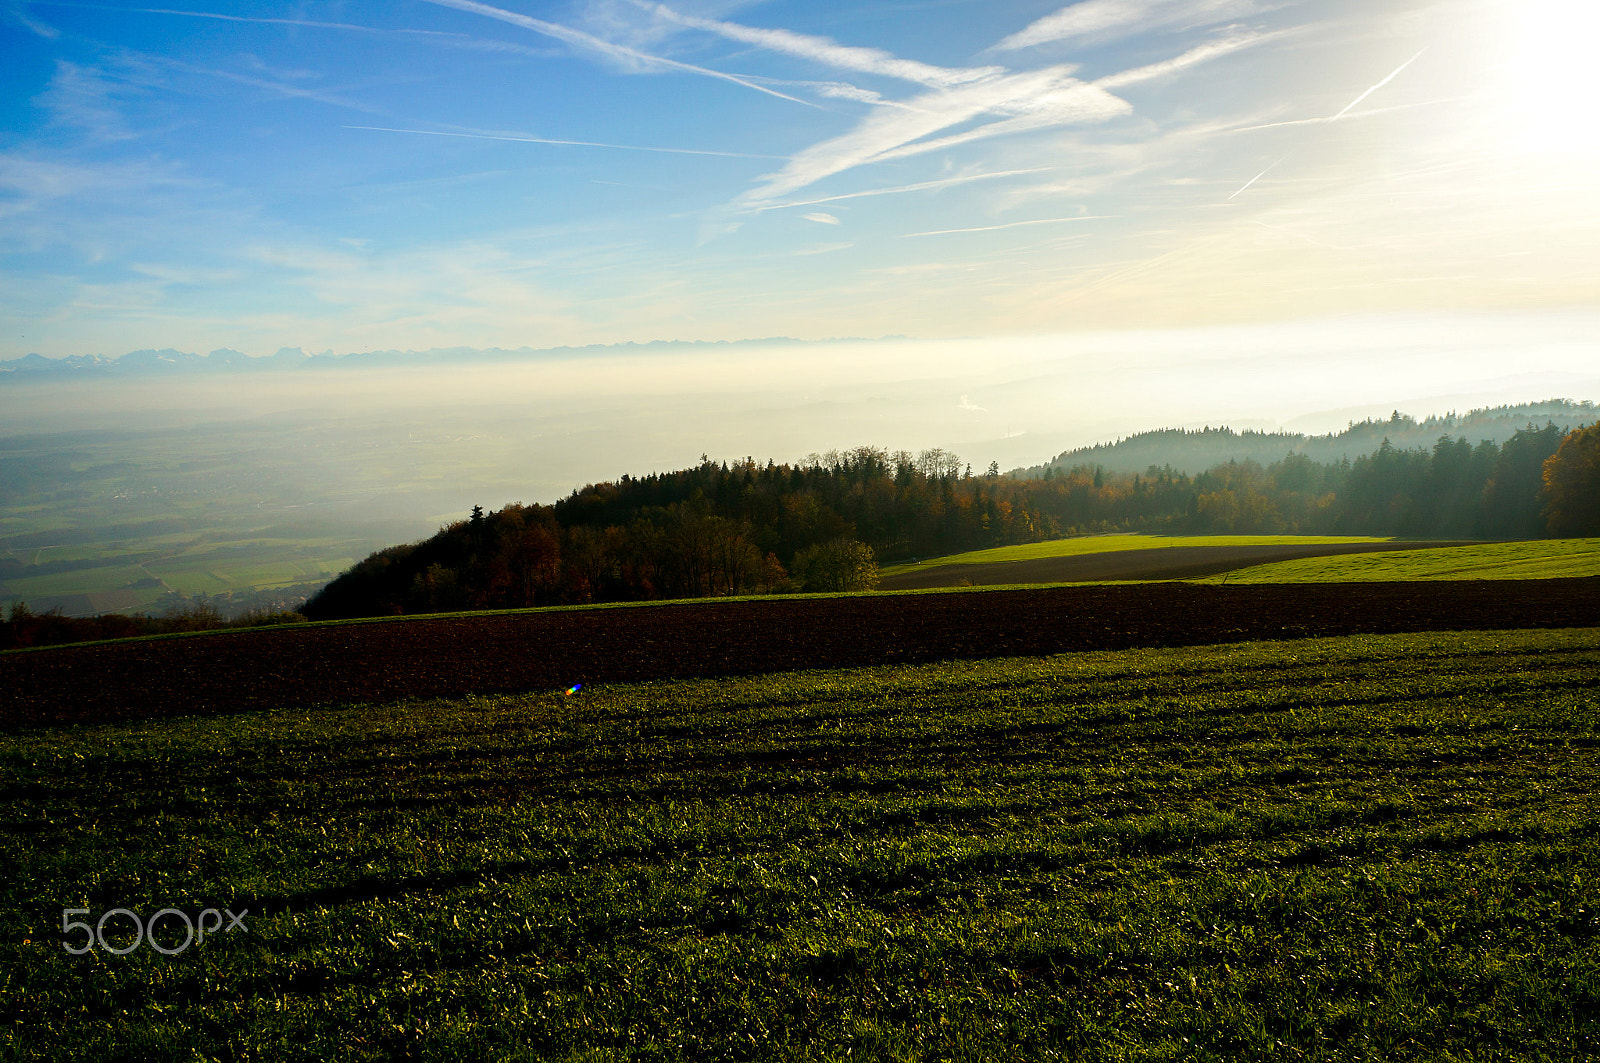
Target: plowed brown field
[422, 657]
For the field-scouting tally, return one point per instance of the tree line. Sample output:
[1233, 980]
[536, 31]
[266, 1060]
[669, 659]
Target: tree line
[24, 629]
[825, 523]
[1196, 449]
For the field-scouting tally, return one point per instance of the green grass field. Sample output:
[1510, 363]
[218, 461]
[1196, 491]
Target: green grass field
[1537, 559]
[1372, 848]
[1098, 544]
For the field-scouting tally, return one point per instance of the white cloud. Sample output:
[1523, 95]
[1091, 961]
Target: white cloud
[1032, 100]
[85, 98]
[629, 58]
[840, 90]
[829, 52]
[1193, 57]
[920, 186]
[1110, 19]
[17, 12]
[825, 219]
[1071, 102]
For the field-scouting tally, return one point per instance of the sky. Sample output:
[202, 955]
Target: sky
[353, 176]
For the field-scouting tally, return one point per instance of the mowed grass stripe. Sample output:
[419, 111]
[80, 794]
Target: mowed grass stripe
[1377, 847]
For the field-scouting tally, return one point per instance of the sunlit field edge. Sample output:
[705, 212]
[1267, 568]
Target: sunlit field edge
[1535, 559]
[1100, 544]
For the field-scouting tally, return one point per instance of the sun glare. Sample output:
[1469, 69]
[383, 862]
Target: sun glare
[1552, 78]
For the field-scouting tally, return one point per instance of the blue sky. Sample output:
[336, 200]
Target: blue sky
[417, 173]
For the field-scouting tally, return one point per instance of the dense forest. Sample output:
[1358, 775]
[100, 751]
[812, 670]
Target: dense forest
[825, 523]
[1195, 449]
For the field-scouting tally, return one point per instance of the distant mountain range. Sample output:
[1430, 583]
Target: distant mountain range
[1195, 450]
[225, 360]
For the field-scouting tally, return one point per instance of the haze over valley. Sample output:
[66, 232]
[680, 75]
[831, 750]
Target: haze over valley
[129, 485]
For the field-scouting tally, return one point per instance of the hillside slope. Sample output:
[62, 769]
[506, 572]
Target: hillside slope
[1193, 450]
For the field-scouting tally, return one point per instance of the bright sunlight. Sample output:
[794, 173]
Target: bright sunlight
[1552, 80]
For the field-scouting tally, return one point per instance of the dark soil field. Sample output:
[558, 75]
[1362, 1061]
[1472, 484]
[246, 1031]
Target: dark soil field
[499, 653]
[1174, 562]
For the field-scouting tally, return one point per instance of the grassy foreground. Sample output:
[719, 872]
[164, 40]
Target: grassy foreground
[1102, 544]
[1536, 559]
[1361, 848]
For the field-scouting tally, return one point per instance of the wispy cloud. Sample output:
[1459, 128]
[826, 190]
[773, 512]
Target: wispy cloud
[822, 218]
[920, 186]
[220, 17]
[1069, 103]
[291, 91]
[569, 143]
[829, 52]
[30, 181]
[840, 90]
[452, 40]
[1193, 57]
[484, 44]
[282, 73]
[1109, 19]
[16, 11]
[823, 249]
[832, 90]
[1012, 225]
[1013, 103]
[1371, 112]
[1021, 102]
[629, 58]
[85, 98]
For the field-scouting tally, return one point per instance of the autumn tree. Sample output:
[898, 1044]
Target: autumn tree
[836, 565]
[1572, 485]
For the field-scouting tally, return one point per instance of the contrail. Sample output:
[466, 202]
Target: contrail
[568, 143]
[1334, 118]
[1257, 177]
[234, 18]
[588, 40]
[920, 186]
[1378, 86]
[1014, 224]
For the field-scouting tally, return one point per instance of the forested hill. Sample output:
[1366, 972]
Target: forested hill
[823, 524]
[1193, 450]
